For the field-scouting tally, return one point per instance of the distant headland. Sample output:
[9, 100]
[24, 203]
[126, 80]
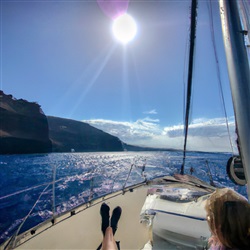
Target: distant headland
[25, 129]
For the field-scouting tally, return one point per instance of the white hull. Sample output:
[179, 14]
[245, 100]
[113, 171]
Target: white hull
[181, 224]
[81, 228]
[177, 214]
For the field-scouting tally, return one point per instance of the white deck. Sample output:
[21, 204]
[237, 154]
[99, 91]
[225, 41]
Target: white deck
[83, 230]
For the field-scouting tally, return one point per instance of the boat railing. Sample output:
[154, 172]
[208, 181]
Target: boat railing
[83, 189]
[76, 187]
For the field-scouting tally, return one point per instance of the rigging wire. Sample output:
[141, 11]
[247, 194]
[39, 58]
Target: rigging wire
[53, 190]
[218, 72]
[190, 77]
[28, 189]
[27, 216]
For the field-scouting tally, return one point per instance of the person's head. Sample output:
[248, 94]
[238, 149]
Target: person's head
[228, 216]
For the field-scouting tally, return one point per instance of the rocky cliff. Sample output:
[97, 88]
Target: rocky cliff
[67, 135]
[23, 127]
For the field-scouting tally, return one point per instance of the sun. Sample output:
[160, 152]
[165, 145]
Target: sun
[124, 28]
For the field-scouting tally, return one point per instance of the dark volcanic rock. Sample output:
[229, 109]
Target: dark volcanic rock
[67, 135]
[23, 127]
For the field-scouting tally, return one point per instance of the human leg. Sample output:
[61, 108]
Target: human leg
[108, 242]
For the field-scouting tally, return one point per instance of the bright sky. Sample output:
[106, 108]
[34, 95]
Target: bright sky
[63, 55]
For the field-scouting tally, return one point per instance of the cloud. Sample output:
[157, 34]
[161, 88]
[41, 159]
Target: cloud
[129, 132]
[204, 134]
[151, 112]
[204, 128]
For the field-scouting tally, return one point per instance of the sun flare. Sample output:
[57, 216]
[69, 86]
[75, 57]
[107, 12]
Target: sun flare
[124, 28]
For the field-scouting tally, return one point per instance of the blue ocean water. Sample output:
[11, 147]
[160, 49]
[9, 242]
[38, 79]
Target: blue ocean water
[27, 193]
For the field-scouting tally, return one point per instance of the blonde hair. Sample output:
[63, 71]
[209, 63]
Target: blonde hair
[228, 216]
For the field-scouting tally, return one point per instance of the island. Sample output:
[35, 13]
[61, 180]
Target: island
[25, 129]
[75, 136]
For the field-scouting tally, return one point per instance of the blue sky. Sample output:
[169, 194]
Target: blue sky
[62, 54]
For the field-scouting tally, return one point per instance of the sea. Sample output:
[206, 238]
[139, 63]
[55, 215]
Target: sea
[35, 187]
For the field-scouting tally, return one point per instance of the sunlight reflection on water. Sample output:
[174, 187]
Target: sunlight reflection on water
[81, 176]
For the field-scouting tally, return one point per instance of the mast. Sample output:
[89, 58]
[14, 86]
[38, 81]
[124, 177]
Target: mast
[239, 75]
[190, 76]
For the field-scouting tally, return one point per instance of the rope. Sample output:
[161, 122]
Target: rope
[26, 217]
[22, 191]
[53, 191]
[210, 175]
[27, 189]
[218, 72]
[128, 176]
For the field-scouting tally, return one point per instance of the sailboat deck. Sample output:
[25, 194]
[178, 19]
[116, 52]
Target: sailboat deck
[81, 227]
[83, 230]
